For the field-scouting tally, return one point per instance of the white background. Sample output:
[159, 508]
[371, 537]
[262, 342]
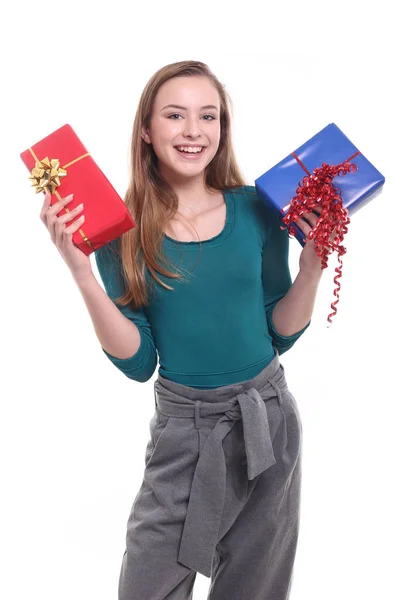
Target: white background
[73, 428]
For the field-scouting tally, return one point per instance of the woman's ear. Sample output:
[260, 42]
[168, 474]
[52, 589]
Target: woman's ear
[146, 136]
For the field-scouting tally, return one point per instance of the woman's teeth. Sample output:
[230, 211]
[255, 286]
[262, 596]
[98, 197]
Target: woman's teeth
[197, 150]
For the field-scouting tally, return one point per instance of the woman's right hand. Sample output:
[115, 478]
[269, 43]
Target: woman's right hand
[61, 235]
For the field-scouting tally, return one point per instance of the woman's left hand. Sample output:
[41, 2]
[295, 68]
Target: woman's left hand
[310, 262]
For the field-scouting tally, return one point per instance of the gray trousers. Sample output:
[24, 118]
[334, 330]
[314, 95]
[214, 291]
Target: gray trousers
[220, 493]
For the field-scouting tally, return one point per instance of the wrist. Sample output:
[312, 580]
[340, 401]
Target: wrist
[314, 274]
[82, 279]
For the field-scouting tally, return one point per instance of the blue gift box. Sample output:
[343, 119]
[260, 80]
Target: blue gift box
[279, 184]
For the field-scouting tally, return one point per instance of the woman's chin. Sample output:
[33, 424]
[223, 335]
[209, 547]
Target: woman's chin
[179, 170]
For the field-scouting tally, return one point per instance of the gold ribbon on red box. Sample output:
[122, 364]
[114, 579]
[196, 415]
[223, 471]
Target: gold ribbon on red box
[46, 175]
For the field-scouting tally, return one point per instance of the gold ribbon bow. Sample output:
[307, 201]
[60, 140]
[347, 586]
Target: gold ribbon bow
[47, 175]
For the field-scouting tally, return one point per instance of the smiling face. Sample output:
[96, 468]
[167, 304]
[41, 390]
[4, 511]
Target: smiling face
[194, 121]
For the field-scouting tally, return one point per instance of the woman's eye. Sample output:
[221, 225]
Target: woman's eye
[178, 115]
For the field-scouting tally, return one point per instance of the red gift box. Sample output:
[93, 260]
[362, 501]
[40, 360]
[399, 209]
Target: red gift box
[61, 164]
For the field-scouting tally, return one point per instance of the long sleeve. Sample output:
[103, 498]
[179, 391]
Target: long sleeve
[143, 363]
[276, 275]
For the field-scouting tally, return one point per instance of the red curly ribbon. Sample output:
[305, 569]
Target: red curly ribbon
[317, 189]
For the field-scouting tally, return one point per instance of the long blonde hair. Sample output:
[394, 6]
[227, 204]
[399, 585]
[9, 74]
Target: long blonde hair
[149, 197]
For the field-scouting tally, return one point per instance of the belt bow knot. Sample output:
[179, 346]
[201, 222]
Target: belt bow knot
[207, 494]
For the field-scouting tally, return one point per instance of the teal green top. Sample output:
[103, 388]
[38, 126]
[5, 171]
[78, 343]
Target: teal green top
[215, 327]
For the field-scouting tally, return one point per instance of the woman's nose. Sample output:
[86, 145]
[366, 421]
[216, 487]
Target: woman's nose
[192, 126]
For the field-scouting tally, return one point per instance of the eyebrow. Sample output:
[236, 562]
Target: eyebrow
[184, 107]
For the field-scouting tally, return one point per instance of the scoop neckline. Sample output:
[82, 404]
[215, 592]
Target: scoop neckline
[217, 239]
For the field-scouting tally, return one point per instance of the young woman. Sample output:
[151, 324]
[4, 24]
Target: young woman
[202, 285]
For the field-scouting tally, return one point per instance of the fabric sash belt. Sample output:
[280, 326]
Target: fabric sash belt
[207, 494]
